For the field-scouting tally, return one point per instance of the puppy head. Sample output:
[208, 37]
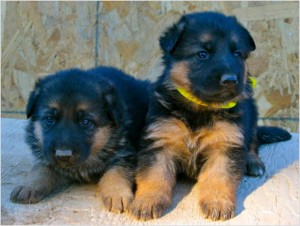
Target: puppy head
[74, 115]
[205, 54]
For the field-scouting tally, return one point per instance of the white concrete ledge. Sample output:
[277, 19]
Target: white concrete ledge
[270, 200]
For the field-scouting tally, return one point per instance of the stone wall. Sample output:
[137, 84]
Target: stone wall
[39, 38]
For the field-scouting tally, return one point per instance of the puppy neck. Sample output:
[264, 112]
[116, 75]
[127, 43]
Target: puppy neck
[197, 101]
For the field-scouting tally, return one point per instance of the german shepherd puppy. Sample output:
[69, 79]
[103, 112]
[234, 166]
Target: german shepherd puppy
[202, 119]
[84, 127]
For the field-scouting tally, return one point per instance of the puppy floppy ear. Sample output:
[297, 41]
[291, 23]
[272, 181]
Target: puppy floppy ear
[251, 43]
[248, 38]
[114, 105]
[170, 37]
[245, 33]
[31, 105]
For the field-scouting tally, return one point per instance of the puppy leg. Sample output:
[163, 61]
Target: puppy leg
[224, 151]
[115, 189]
[217, 184]
[40, 182]
[154, 188]
[255, 166]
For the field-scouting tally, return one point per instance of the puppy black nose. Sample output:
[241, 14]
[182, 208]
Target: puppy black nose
[63, 155]
[228, 80]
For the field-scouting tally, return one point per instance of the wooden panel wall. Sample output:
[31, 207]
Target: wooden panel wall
[39, 38]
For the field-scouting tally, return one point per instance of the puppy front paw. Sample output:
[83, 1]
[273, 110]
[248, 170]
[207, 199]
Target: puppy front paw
[217, 208]
[115, 190]
[116, 202]
[26, 195]
[149, 207]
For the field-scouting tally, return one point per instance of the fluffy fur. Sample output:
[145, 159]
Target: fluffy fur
[204, 54]
[84, 127]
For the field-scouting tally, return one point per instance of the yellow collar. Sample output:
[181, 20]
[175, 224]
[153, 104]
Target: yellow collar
[194, 99]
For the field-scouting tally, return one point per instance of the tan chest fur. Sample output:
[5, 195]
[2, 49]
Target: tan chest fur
[182, 144]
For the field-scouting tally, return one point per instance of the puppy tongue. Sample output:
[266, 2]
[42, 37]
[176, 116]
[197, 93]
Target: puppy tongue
[63, 152]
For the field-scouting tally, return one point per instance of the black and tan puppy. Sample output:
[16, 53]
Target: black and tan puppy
[201, 119]
[84, 127]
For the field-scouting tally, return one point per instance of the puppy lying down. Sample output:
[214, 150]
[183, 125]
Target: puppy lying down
[84, 127]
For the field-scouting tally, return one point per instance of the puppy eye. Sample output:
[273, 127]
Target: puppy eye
[85, 122]
[50, 120]
[237, 54]
[203, 55]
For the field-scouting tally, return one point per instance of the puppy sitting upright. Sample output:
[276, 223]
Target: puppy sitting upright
[84, 127]
[201, 119]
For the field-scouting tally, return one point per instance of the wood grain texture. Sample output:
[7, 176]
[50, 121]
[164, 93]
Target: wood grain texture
[39, 38]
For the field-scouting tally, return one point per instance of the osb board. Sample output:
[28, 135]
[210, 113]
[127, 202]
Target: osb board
[42, 37]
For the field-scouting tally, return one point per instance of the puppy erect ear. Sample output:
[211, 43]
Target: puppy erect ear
[33, 99]
[170, 37]
[114, 104]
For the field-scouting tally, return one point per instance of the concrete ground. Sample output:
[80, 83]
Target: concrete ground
[270, 200]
